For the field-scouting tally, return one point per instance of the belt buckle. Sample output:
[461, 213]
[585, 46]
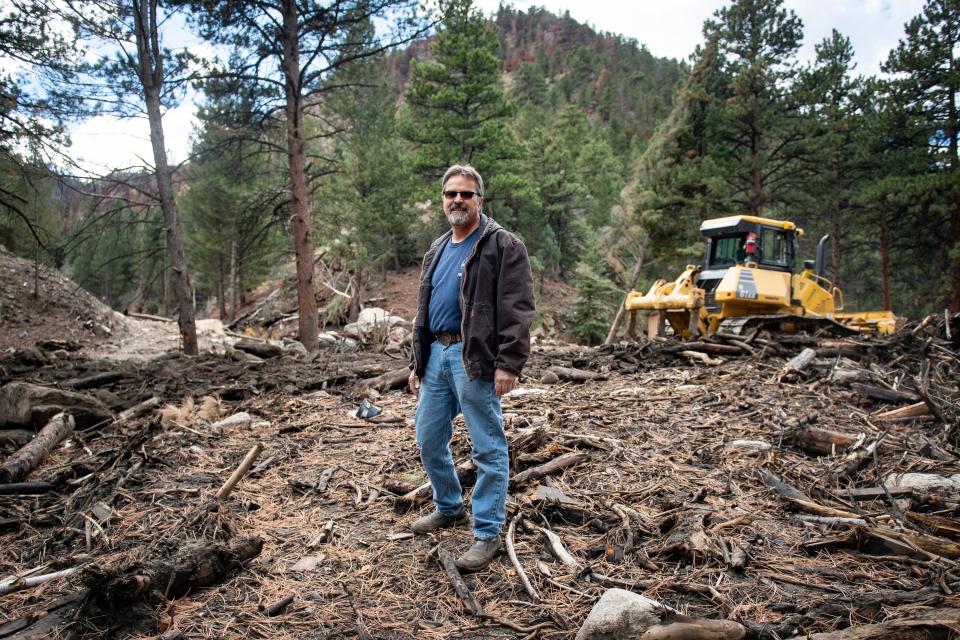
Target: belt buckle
[446, 339]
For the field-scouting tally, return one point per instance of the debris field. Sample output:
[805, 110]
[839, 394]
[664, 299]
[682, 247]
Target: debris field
[794, 484]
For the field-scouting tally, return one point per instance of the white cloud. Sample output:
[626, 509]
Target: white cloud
[105, 142]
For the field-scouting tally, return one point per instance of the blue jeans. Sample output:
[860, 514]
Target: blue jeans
[446, 391]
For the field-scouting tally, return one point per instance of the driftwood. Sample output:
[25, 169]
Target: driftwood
[28, 458]
[936, 623]
[240, 471]
[16, 583]
[713, 348]
[95, 380]
[459, 585]
[512, 554]
[28, 405]
[801, 361]
[576, 375]
[909, 412]
[881, 393]
[801, 500]
[818, 441]
[258, 348]
[555, 545]
[26, 488]
[138, 410]
[396, 379]
[554, 466]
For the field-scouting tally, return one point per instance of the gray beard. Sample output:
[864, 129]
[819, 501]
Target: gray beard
[458, 218]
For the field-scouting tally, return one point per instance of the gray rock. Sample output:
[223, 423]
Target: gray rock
[621, 615]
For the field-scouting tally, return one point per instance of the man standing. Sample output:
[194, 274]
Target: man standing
[471, 338]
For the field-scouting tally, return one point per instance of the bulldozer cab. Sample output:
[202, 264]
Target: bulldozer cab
[744, 240]
[733, 240]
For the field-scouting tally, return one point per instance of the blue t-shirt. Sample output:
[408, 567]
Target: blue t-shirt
[445, 313]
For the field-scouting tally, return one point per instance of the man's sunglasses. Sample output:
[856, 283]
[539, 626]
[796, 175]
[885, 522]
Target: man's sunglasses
[466, 195]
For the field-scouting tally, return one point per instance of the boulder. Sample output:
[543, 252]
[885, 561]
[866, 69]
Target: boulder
[624, 615]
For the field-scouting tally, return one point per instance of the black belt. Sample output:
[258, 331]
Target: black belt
[446, 339]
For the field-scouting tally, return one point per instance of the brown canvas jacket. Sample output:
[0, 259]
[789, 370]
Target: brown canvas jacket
[496, 300]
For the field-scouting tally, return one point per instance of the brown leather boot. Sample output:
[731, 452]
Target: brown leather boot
[437, 520]
[480, 554]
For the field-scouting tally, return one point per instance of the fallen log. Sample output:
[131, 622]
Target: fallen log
[818, 441]
[28, 405]
[138, 409]
[801, 361]
[935, 623]
[873, 493]
[124, 598]
[576, 375]
[115, 591]
[260, 349]
[554, 466]
[396, 379]
[95, 380]
[28, 458]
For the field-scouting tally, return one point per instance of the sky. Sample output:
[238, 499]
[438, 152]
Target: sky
[668, 29]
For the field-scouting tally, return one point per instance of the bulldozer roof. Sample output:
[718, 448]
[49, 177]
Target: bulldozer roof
[743, 223]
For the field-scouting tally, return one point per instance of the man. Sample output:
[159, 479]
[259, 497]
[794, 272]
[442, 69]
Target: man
[471, 338]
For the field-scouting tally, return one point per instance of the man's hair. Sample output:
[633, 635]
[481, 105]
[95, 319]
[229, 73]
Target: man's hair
[463, 170]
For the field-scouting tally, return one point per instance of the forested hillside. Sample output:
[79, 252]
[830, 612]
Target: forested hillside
[601, 156]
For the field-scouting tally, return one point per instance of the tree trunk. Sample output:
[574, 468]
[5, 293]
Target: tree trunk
[151, 76]
[221, 294]
[756, 177]
[300, 192]
[234, 280]
[885, 262]
[835, 224]
[952, 130]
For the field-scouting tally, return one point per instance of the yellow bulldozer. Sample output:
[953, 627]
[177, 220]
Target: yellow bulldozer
[747, 280]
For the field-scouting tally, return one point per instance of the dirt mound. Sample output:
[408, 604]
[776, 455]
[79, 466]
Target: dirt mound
[40, 303]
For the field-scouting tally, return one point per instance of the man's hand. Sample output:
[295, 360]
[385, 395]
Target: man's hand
[413, 383]
[504, 382]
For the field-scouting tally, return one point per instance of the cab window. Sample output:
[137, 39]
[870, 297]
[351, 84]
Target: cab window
[774, 245]
[727, 251]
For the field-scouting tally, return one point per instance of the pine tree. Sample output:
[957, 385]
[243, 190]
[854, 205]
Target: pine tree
[761, 133]
[457, 112]
[926, 87]
[835, 165]
[307, 42]
[597, 298]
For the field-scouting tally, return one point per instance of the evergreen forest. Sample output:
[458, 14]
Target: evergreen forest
[326, 126]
